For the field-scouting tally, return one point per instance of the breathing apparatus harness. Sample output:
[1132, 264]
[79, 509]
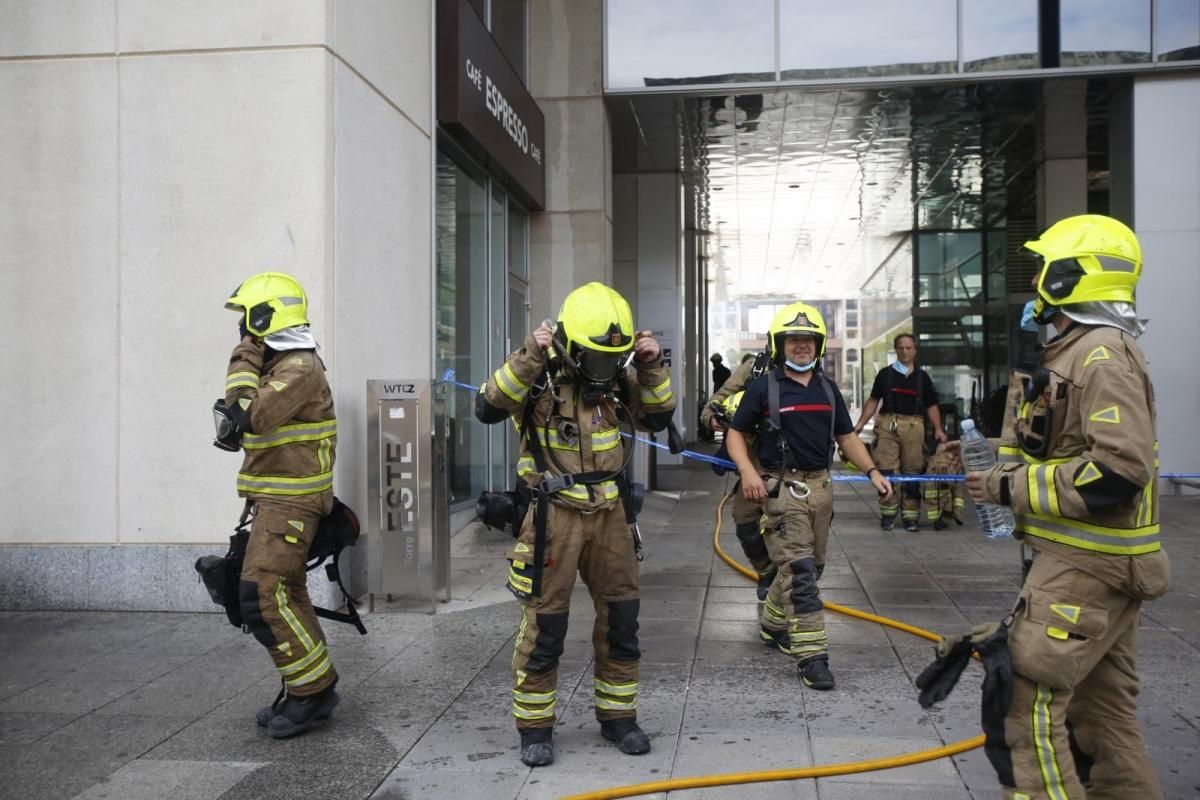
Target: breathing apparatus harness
[631, 494]
[798, 489]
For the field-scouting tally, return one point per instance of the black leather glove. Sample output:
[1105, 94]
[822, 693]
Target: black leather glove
[243, 331]
[952, 654]
[998, 674]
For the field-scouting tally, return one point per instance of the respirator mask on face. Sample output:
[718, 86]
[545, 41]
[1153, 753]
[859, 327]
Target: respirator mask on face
[228, 437]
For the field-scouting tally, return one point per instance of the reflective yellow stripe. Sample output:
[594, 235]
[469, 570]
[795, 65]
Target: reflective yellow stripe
[235, 380]
[324, 449]
[615, 705]
[1043, 744]
[616, 689]
[285, 611]
[508, 383]
[533, 713]
[656, 395]
[320, 669]
[284, 434]
[774, 611]
[1052, 491]
[605, 440]
[520, 582]
[548, 437]
[272, 484]
[536, 698]
[525, 466]
[1073, 532]
[810, 636]
[520, 638]
[1043, 496]
[608, 489]
[304, 663]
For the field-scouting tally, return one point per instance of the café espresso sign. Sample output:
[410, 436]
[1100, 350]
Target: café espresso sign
[485, 107]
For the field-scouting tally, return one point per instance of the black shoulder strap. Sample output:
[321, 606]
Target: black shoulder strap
[827, 382]
[886, 402]
[334, 574]
[775, 422]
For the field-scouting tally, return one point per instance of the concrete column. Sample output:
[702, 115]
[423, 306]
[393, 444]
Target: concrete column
[571, 241]
[1166, 205]
[1062, 178]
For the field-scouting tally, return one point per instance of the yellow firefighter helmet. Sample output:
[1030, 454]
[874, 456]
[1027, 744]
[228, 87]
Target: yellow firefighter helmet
[595, 330]
[1086, 258]
[793, 319]
[271, 302]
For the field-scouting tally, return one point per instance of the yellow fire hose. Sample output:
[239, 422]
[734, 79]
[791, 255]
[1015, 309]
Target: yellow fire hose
[823, 771]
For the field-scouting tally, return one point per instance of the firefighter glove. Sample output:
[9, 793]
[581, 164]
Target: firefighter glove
[952, 653]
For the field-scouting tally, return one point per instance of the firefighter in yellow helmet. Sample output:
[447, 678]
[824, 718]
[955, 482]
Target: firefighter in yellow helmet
[572, 391]
[797, 414]
[1080, 469]
[278, 399]
[716, 416]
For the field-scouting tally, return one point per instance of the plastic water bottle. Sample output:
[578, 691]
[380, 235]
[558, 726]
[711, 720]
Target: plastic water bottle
[977, 456]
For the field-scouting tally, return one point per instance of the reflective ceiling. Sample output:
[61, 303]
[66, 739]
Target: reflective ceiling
[807, 192]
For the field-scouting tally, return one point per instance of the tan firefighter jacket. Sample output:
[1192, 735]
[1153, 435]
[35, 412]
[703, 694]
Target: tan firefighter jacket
[733, 384]
[289, 447]
[576, 438]
[1079, 463]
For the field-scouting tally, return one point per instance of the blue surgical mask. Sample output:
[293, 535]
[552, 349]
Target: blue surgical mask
[797, 368]
[1027, 321]
[896, 365]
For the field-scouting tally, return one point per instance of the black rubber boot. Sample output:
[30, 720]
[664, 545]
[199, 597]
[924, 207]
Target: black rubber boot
[815, 673]
[940, 524]
[631, 740]
[776, 639]
[537, 747]
[886, 522]
[911, 525]
[295, 715]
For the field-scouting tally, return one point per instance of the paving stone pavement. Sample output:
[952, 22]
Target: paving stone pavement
[152, 705]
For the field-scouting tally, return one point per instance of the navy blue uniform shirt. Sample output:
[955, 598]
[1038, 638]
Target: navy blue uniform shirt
[907, 394]
[804, 414]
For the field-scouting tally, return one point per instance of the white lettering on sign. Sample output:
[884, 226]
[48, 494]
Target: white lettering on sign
[506, 115]
[474, 75]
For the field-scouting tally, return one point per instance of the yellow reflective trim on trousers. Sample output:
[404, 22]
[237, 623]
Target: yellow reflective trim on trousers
[606, 704]
[1043, 744]
[293, 622]
[320, 669]
[285, 434]
[520, 638]
[616, 689]
[508, 383]
[304, 663]
[774, 611]
[1130, 541]
[810, 636]
[533, 713]
[272, 484]
[536, 698]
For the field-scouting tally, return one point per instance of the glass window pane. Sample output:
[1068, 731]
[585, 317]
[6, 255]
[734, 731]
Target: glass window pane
[667, 42]
[999, 35]
[949, 268]
[857, 38]
[518, 327]
[508, 29]
[518, 241]
[1105, 32]
[1178, 33]
[498, 275]
[462, 319]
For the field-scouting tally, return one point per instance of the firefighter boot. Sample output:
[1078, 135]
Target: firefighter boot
[297, 714]
[815, 673]
[887, 522]
[630, 739]
[537, 747]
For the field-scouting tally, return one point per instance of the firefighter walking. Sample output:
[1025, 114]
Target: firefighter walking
[572, 393]
[278, 398]
[1079, 468]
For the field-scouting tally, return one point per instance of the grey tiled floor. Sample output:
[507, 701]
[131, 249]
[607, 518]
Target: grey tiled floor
[138, 705]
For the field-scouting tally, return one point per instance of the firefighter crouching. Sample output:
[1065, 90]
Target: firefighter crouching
[277, 397]
[716, 416]
[572, 395]
[1080, 470]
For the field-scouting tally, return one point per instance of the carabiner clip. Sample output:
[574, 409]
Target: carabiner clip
[637, 541]
[792, 486]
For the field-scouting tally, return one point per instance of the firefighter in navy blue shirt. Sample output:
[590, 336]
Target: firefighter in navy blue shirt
[797, 414]
[905, 395]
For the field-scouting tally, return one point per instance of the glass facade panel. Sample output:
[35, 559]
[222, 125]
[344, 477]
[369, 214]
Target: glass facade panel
[861, 38]
[509, 31]
[498, 233]
[462, 319]
[999, 35]
[1104, 32]
[948, 348]
[518, 242]
[668, 42]
[949, 268]
[1177, 35]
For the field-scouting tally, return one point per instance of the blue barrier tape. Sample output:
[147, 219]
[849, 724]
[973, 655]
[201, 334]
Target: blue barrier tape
[449, 375]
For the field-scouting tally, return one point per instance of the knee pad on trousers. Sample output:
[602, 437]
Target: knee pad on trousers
[751, 540]
[820, 571]
[912, 491]
[622, 630]
[1083, 761]
[804, 586]
[552, 629]
[252, 616]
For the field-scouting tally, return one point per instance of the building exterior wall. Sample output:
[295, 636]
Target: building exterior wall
[1166, 169]
[166, 151]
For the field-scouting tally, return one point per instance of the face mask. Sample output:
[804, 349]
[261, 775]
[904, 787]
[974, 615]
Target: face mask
[1028, 323]
[896, 365]
[797, 368]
